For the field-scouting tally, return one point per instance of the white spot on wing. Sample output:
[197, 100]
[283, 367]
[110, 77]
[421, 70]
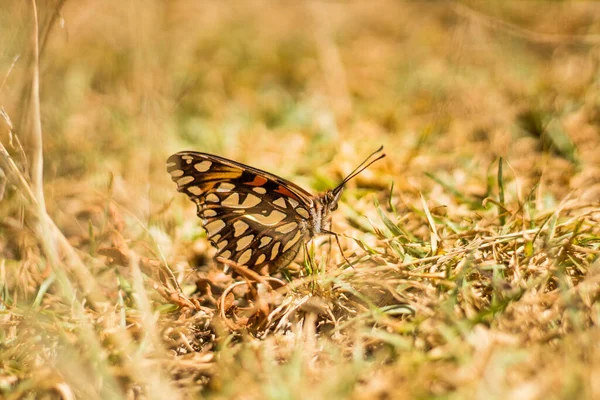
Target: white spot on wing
[273, 218]
[226, 254]
[293, 203]
[209, 213]
[290, 226]
[275, 250]
[213, 198]
[214, 227]
[244, 242]
[260, 190]
[221, 245]
[240, 227]
[260, 259]
[232, 201]
[176, 173]
[265, 240]
[195, 190]
[202, 166]
[302, 212]
[280, 202]
[250, 201]
[225, 187]
[185, 180]
[292, 241]
[245, 257]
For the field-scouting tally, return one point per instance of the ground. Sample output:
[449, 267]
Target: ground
[473, 245]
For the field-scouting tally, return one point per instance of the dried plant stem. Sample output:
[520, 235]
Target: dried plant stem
[37, 156]
[52, 240]
[48, 232]
[37, 159]
[85, 279]
[45, 231]
[157, 385]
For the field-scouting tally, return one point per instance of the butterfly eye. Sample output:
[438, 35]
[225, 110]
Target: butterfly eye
[334, 206]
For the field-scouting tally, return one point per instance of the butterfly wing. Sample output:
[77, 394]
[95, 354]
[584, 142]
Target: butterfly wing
[251, 216]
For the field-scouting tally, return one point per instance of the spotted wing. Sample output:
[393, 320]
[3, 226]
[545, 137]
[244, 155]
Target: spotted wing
[252, 217]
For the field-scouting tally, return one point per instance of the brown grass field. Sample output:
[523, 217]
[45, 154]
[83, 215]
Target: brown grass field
[473, 245]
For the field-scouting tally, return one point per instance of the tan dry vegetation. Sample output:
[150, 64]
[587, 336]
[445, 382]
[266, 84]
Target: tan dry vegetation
[475, 275]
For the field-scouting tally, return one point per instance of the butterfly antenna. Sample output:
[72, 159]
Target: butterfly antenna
[361, 167]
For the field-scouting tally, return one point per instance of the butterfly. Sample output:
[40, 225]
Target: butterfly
[251, 216]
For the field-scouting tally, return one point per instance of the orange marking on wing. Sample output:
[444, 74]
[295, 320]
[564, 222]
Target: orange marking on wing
[258, 181]
[285, 192]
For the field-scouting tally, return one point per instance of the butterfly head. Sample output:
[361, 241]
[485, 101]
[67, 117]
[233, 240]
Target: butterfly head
[330, 198]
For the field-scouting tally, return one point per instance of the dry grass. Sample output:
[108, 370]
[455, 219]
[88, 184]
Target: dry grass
[474, 244]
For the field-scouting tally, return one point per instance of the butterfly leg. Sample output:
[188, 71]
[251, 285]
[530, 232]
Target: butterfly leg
[337, 239]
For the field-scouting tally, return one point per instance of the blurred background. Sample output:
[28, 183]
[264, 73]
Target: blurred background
[308, 88]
